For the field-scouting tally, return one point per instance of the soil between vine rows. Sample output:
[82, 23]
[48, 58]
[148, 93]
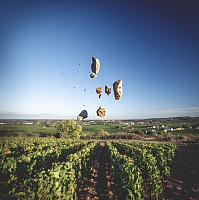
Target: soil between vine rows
[182, 184]
[97, 185]
[184, 180]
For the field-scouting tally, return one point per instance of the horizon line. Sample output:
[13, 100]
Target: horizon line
[98, 119]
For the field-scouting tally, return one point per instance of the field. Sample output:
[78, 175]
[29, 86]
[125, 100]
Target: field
[112, 129]
[49, 168]
[25, 129]
[89, 129]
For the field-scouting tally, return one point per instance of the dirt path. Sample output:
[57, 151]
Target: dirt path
[98, 183]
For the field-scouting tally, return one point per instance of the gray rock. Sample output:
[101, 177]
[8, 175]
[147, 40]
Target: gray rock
[82, 115]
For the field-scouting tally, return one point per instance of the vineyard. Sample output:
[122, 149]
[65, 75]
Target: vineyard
[40, 168]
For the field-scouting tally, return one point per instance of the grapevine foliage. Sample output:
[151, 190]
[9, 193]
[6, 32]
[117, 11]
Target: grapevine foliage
[47, 168]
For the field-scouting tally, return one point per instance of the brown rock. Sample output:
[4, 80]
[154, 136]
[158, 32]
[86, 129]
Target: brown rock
[99, 90]
[117, 87]
[107, 89]
[95, 67]
[79, 118]
[93, 75]
[101, 112]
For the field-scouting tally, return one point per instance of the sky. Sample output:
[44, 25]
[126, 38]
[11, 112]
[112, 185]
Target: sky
[46, 50]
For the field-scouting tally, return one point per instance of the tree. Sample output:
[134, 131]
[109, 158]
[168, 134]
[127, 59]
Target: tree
[69, 129]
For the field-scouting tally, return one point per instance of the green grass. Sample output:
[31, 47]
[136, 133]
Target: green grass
[4, 129]
[96, 128]
[86, 129]
[186, 132]
[26, 129]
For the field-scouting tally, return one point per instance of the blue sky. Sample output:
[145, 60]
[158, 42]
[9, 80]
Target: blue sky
[46, 49]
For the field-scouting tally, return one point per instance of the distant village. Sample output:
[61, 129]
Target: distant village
[154, 124]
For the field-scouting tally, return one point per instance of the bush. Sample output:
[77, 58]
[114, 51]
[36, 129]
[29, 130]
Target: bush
[103, 134]
[69, 129]
[154, 134]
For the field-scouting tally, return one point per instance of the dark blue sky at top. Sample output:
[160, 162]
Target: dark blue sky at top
[153, 46]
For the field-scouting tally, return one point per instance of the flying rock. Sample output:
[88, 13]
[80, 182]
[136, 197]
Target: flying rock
[82, 115]
[117, 87]
[101, 112]
[99, 90]
[107, 89]
[95, 67]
